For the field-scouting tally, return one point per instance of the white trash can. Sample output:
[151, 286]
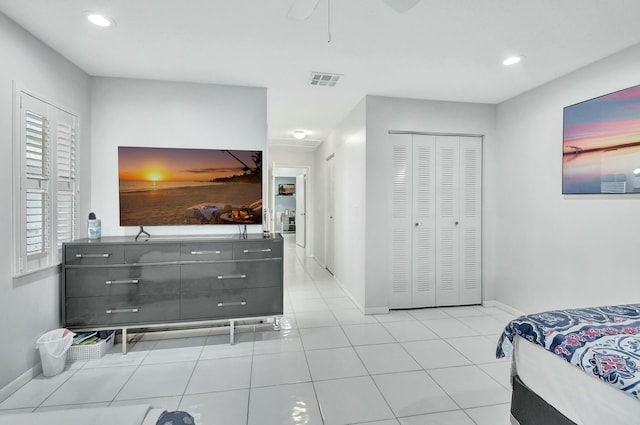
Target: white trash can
[53, 347]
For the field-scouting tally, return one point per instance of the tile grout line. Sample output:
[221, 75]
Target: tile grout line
[193, 371]
[253, 353]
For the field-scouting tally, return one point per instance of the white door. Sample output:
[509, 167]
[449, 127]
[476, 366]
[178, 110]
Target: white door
[458, 220]
[301, 217]
[329, 219]
[424, 222]
[401, 192]
[447, 220]
[412, 245]
[435, 212]
[470, 228]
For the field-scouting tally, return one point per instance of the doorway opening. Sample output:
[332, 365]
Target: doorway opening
[289, 212]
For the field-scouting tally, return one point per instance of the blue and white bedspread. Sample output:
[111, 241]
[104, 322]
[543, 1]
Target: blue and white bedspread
[603, 341]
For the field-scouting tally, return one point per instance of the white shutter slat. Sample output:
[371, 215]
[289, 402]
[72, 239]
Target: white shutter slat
[66, 155]
[66, 217]
[66, 209]
[37, 222]
[35, 199]
[35, 145]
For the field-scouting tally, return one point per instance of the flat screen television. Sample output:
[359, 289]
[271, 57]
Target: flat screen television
[286, 189]
[601, 144]
[176, 186]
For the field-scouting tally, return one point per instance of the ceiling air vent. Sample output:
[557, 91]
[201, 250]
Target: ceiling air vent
[324, 79]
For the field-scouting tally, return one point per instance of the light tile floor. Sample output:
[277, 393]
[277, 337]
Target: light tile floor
[328, 365]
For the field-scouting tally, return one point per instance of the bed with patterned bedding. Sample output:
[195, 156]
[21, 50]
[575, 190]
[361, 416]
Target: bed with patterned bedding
[601, 341]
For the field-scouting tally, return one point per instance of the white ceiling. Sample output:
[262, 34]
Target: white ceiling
[441, 49]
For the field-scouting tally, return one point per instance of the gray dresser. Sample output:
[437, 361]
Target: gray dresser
[116, 282]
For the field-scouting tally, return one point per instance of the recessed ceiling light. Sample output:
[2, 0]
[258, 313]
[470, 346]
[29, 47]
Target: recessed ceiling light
[100, 20]
[299, 134]
[512, 60]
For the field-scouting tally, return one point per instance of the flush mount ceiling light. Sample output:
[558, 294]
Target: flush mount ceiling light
[100, 20]
[299, 134]
[512, 60]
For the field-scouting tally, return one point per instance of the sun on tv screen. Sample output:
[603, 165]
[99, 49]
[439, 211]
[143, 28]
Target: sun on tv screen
[601, 144]
[171, 186]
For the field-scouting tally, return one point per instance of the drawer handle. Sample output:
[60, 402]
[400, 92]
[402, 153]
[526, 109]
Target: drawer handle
[252, 251]
[232, 304]
[238, 276]
[122, 282]
[93, 255]
[122, 310]
[205, 252]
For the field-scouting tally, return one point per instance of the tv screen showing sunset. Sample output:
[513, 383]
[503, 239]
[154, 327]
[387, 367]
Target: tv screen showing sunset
[170, 186]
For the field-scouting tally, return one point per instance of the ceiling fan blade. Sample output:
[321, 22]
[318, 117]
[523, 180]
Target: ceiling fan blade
[302, 9]
[401, 6]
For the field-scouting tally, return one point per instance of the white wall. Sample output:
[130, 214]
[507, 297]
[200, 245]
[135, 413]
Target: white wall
[291, 157]
[129, 112]
[556, 251]
[384, 114]
[348, 143]
[30, 306]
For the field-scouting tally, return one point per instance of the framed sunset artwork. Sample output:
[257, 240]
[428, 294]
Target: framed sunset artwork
[601, 144]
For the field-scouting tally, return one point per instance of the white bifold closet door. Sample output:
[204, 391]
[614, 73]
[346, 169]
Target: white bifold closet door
[435, 220]
[458, 220]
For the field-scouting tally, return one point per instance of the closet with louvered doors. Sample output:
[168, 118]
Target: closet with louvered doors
[436, 201]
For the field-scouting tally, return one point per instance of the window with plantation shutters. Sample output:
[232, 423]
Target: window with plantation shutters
[45, 199]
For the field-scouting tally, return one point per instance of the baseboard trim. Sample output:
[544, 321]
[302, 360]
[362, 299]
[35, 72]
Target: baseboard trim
[19, 382]
[317, 260]
[376, 310]
[367, 311]
[349, 294]
[501, 306]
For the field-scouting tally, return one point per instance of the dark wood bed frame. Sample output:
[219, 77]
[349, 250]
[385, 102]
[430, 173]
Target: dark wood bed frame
[528, 408]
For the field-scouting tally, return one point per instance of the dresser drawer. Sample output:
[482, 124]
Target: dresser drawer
[230, 275]
[99, 254]
[206, 251]
[257, 250]
[150, 253]
[238, 303]
[122, 309]
[105, 281]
